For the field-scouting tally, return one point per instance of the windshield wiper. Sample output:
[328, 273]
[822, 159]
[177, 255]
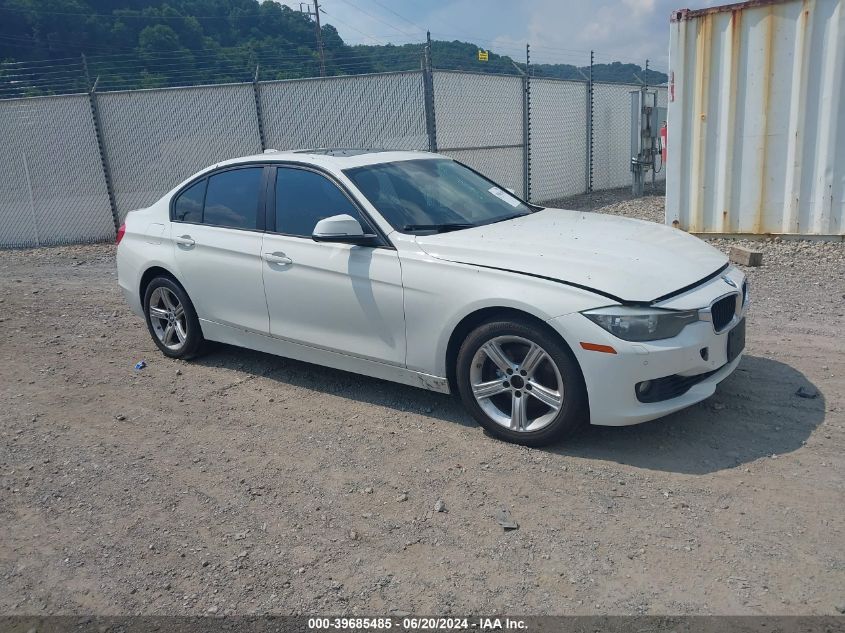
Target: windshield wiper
[439, 228]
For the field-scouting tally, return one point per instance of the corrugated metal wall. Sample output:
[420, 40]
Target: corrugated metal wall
[757, 124]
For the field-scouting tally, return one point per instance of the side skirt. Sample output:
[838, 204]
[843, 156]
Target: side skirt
[288, 349]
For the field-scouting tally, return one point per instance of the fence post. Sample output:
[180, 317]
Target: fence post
[101, 147]
[588, 185]
[31, 199]
[258, 114]
[428, 95]
[526, 126]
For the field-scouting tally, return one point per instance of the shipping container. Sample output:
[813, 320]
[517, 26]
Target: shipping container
[756, 138]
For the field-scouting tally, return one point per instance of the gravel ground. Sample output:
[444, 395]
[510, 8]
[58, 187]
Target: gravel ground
[619, 202]
[244, 483]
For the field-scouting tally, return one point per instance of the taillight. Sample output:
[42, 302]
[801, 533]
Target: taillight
[120, 233]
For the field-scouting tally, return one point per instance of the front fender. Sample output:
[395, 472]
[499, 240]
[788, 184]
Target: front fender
[440, 294]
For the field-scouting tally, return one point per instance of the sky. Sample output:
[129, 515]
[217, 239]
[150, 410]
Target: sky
[560, 31]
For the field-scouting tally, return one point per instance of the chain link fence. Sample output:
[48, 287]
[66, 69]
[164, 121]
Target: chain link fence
[559, 138]
[372, 111]
[479, 121]
[53, 189]
[74, 166]
[612, 134]
[154, 139]
[662, 102]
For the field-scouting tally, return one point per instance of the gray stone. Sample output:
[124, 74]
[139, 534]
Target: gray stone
[746, 256]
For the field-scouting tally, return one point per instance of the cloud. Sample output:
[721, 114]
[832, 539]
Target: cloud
[640, 7]
[561, 31]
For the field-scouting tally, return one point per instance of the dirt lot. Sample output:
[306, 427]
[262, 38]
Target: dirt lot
[245, 483]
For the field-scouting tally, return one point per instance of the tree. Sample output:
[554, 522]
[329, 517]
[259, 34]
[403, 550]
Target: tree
[140, 43]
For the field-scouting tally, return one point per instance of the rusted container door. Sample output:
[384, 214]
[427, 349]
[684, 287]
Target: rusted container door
[757, 118]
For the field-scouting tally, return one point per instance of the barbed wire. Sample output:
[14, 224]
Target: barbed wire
[130, 67]
[127, 75]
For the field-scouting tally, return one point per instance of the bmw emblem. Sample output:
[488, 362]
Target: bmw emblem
[729, 281]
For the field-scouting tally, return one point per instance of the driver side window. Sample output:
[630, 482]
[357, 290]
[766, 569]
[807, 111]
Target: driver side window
[304, 197]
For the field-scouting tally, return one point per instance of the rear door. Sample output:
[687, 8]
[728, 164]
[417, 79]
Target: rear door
[339, 297]
[217, 230]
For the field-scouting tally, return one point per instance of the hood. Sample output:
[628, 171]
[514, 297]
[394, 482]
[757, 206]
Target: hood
[631, 260]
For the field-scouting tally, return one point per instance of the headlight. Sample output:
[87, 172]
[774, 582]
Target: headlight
[641, 324]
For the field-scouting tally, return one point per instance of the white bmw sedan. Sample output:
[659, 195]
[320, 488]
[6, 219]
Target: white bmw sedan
[412, 267]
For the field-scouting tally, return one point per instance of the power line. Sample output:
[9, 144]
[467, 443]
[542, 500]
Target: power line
[228, 17]
[414, 24]
[396, 28]
[377, 41]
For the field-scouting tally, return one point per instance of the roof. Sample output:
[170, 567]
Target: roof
[335, 151]
[338, 158]
[328, 158]
[680, 15]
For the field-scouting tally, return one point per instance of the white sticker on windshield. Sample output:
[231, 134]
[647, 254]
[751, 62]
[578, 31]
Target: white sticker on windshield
[504, 195]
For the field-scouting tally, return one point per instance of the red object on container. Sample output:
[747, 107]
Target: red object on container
[663, 137]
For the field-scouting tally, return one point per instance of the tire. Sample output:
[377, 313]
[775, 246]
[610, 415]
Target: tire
[504, 364]
[175, 329]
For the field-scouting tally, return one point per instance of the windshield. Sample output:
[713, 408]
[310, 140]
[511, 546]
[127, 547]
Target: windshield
[434, 194]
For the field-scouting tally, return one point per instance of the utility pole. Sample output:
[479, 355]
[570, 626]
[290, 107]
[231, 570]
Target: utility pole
[316, 14]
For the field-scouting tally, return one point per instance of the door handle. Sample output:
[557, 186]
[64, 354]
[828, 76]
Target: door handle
[277, 258]
[185, 240]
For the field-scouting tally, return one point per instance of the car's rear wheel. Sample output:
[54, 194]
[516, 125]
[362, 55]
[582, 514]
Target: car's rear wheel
[521, 383]
[171, 319]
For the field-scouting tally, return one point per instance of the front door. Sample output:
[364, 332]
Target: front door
[338, 297]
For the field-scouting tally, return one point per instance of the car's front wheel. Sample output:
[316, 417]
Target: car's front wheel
[171, 319]
[521, 383]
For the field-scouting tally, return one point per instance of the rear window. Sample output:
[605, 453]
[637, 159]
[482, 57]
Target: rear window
[232, 198]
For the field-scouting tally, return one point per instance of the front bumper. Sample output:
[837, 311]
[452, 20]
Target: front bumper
[611, 378]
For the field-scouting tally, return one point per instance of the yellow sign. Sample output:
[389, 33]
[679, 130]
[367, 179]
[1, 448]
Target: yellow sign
[482, 56]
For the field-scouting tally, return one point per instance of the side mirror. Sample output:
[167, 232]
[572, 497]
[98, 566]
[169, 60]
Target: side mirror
[343, 229]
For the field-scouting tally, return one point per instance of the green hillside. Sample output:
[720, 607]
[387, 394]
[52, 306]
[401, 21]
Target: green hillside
[145, 43]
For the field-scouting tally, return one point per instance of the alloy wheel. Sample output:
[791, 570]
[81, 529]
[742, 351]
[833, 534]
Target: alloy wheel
[516, 383]
[168, 318]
